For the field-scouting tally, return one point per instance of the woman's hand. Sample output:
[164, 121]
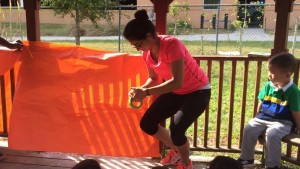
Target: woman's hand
[16, 45]
[137, 93]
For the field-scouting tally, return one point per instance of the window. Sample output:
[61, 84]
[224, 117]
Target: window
[211, 2]
[128, 2]
[6, 2]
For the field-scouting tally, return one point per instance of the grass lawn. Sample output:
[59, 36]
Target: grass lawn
[194, 47]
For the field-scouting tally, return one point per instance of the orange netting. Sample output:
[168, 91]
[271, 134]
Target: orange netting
[75, 99]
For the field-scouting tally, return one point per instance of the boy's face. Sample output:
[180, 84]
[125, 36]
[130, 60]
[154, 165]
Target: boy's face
[278, 77]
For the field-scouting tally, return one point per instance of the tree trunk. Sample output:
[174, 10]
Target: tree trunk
[78, 34]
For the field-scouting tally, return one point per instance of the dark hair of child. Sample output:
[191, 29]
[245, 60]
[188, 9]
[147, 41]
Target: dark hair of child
[223, 162]
[87, 164]
[284, 61]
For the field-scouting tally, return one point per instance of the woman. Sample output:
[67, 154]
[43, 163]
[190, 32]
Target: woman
[184, 92]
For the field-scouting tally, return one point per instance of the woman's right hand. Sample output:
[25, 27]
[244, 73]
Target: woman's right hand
[131, 93]
[137, 93]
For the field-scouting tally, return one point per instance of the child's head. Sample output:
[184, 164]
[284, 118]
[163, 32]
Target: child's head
[280, 68]
[223, 162]
[87, 164]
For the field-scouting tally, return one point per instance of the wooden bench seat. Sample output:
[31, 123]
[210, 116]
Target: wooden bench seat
[289, 155]
[292, 153]
[292, 138]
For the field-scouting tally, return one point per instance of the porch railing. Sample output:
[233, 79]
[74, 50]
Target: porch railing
[236, 82]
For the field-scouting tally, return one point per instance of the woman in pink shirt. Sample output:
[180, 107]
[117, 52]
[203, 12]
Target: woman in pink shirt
[184, 91]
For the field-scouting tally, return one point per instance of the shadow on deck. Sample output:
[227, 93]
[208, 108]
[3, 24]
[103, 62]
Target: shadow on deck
[16, 159]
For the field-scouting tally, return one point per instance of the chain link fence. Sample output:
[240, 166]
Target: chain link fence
[236, 29]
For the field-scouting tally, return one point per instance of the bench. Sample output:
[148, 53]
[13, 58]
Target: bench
[292, 140]
[292, 152]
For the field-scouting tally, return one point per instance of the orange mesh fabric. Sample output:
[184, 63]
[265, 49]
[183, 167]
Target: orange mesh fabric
[75, 99]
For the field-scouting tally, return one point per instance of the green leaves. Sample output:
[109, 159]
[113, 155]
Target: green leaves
[92, 10]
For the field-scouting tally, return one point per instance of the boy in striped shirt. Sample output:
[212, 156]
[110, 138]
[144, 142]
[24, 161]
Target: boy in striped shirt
[278, 112]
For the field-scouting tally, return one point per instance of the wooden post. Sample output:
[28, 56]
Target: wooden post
[161, 8]
[32, 8]
[283, 9]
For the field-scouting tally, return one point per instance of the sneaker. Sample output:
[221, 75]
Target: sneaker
[1, 156]
[172, 158]
[246, 163]
[189, 166]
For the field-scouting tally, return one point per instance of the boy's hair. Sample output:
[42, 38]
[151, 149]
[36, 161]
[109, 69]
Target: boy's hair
[223, 162]
[284, 61]
[87, 164]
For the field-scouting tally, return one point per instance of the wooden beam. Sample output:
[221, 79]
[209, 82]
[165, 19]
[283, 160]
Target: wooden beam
[161, 8]
[32, 8]
[283, 8]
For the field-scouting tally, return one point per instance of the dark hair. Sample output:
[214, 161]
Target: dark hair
[223, 162]
[87, 164]
[284, 61]
[138, 28]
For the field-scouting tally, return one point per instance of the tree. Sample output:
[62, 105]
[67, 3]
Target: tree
[93, 10]
[179, 13]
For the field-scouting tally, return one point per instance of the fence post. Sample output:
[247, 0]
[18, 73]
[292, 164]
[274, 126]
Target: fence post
[295, 38]
[225, 21]
[119, 38]
[265, 23]
[201, 21]
[214, 21]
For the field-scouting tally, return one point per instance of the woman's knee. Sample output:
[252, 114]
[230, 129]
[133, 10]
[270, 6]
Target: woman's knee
[148, 127]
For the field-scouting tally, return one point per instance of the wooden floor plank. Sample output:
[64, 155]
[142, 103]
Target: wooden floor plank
[17, 159]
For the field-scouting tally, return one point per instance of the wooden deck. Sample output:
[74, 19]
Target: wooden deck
[16, 159]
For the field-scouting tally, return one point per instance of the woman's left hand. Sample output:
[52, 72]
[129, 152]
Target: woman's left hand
[137, 93]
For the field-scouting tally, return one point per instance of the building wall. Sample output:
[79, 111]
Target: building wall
[269, 19]
[196, 9]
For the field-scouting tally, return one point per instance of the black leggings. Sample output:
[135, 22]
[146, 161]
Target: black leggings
[185, 108]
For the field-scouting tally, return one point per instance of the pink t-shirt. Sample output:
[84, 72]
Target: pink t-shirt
[171, 49]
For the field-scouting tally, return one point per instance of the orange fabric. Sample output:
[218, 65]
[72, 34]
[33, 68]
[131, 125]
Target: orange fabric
[8, 58]
[75, 99]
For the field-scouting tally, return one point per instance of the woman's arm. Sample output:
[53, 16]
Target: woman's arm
[177, 71]
[152, 80]
[11, 45]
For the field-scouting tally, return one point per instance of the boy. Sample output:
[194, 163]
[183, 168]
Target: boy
[11, 45]
[278, 112]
